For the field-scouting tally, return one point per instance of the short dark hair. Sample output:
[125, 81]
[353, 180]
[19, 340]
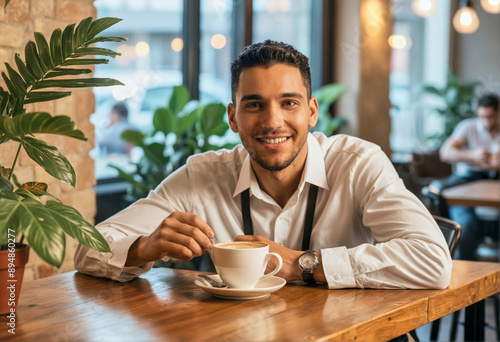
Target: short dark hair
[488, 100]
[269, 53]
[120, 108]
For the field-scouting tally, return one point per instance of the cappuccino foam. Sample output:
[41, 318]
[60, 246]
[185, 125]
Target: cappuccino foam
[241, 244]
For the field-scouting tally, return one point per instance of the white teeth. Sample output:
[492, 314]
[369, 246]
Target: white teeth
[273, 141]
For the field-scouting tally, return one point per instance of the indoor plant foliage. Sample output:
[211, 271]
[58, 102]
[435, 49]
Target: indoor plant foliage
[28, 210]
[326, 96]
[180, 129]
[457, 104]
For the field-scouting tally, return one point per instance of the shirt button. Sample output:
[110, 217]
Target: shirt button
[337, 277]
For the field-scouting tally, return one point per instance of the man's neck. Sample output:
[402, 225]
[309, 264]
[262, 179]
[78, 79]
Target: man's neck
[281, 185]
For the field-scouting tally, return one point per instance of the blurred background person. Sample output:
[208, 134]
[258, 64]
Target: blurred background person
[110, 139]
[474, 148]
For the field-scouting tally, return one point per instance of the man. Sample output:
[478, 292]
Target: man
[368, 230]
[474, 146]
[110, 140]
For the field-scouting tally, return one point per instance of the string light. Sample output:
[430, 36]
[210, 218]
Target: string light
[491, 6]
[424, 8]
[465, 19]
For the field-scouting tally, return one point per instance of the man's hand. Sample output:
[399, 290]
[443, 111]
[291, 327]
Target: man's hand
[495, 160]
[180, 235]
[481, 157]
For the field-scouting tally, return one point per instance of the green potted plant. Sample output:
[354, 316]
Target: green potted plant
[326, 96]
[457, 103]
[180, 129]
[28, 211]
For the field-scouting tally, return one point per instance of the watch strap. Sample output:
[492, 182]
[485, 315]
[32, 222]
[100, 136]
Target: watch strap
[308, 277]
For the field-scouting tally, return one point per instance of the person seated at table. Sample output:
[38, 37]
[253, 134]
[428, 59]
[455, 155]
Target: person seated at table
[110, 139]
[474, 147]
[368, 230]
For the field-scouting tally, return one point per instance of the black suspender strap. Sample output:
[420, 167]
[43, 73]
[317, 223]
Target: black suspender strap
[308, 224]
[245, 207]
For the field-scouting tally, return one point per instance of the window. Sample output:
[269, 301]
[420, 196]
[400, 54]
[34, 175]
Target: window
[154, 58]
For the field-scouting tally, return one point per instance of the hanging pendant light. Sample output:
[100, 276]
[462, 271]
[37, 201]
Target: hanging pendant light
[424, 8]
[466, 20]
[491, 6]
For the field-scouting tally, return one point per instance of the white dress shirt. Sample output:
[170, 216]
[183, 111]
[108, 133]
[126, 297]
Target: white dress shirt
[475, 135]
[372, 232]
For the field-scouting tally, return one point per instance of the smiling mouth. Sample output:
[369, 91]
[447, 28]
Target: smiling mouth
[273, 141]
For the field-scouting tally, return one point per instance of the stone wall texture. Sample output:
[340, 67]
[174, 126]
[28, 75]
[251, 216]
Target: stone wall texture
[18, 21]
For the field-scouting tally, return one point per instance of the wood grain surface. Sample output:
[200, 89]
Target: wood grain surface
[166, 305]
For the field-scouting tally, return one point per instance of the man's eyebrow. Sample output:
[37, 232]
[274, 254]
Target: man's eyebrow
[259, 97]
[251, 97]
[298, 95]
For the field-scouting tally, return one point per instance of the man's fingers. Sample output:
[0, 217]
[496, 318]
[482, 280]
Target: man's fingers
[194, 221]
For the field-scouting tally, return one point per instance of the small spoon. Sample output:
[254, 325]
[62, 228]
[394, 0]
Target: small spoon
[211, 281]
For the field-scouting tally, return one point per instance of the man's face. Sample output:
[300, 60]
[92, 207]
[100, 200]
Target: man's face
[489, 118]
[272, 115]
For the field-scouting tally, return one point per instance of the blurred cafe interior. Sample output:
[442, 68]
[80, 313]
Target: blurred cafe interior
[380, 58]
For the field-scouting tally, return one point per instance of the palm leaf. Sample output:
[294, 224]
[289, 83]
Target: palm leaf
[42, 96]
[100, 25]
[67, 71]
[67, 40]
[16, 79]
[77, 83]
[28, 77]
[44, 51]
[56, 46]
[81, 32]
[33, 60]
[85, 61]
[32, 123]
[47, 62]
[94, 51]
[105, 39]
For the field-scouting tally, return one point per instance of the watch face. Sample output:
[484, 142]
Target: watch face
[307, 261]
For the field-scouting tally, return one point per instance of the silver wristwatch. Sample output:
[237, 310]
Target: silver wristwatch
[308, 262]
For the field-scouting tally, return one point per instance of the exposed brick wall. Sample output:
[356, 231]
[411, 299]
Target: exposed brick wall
[17, 24]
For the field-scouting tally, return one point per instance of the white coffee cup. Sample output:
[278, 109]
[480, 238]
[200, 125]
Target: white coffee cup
[241, 264]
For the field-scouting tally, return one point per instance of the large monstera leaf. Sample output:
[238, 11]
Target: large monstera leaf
[44, 226]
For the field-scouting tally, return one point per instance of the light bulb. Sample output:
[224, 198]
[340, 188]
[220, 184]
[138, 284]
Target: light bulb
[491, 6]
[424, 8]
[466, 20]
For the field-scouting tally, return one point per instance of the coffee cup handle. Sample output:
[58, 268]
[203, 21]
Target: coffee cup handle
[280, 263]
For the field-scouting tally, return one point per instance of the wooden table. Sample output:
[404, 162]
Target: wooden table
[481, 193]
[165, 305]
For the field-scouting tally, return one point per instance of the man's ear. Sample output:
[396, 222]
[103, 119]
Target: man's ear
[231, 115]
[313, 109]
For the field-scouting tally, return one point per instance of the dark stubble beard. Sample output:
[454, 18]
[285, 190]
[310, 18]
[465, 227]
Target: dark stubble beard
[276, 166]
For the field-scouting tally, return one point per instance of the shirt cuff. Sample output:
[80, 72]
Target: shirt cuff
[337, 268]
[117, 261]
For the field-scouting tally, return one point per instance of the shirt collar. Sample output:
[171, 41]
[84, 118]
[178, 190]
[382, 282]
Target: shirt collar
[314, 171]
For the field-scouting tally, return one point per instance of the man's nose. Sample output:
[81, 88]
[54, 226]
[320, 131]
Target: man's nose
[273, 116]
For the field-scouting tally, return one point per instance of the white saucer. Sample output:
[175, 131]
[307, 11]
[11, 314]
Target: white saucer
[263, 288]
